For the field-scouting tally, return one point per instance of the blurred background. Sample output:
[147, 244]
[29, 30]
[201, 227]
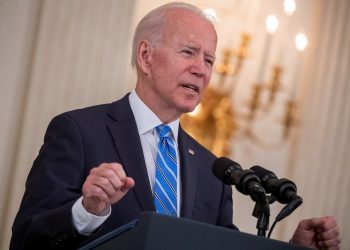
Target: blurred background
[279, 95]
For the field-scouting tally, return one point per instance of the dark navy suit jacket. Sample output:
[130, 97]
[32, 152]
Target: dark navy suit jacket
[79, 140]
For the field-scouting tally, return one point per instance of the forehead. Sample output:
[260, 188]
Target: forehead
[184, 26]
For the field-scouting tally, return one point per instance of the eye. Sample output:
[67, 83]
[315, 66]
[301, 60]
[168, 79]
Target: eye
[209, 61]
[187, 52]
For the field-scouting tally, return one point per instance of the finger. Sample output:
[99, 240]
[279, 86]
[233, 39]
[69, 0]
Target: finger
[129, 183]
[329, 244]
[114, 167]
[314, 223]
[330, 234]
[113, 179]
[110, 185]
[113, 172]
[118, 170]
[93, 187]
[329, 222]
[95, 192]
[319, 224]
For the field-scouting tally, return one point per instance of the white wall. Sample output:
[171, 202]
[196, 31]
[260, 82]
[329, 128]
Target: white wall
[17, 36]
[58, 55]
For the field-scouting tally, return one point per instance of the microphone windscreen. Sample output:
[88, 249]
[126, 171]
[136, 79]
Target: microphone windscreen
[260, 171]
[221, 165]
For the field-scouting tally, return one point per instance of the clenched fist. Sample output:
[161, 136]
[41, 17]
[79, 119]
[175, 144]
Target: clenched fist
[318, 233]
[105, 185]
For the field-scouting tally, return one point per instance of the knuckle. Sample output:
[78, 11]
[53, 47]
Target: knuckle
[115, 165]
[104, 182]
[103, 165]
[93, 190]
[109, 173]
[93, 170]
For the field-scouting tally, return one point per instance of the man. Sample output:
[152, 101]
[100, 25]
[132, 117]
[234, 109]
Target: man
[99, 167]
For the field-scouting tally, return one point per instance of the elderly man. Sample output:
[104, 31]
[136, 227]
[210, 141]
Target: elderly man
[101, 166]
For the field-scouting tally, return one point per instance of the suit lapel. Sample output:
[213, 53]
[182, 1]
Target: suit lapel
[123, 130]
[189, 171]
[127, 141]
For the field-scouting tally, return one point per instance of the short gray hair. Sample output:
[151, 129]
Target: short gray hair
[151, 26]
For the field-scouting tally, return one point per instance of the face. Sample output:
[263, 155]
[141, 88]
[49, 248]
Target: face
[180, 68]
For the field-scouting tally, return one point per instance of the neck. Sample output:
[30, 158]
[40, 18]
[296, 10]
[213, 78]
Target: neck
[165, 114]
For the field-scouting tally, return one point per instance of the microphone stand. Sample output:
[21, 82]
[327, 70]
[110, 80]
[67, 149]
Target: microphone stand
[261, 210]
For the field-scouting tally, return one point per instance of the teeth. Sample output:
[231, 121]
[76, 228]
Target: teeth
[190, 86]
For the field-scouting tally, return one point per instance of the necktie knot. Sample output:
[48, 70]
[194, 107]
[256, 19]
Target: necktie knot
[163, 131]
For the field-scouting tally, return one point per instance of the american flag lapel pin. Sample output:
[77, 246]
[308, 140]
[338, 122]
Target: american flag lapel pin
[191, 151]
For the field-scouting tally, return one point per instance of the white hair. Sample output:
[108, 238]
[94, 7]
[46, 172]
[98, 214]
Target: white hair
[152, 26]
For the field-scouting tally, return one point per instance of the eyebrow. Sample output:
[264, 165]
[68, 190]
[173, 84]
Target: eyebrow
[192, 47]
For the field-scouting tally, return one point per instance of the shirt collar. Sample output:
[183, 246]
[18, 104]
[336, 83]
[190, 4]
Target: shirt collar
[145, 119]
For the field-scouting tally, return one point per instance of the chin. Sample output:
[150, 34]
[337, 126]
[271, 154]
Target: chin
[186, 106]
[189, 108]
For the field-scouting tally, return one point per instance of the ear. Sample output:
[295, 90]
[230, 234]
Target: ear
[144, 55]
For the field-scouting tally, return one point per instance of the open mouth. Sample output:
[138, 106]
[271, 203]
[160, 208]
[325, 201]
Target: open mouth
[191, 87]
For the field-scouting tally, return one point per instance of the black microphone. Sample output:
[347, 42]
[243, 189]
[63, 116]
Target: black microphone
[282, 189]
[231, 173]
[248, 183]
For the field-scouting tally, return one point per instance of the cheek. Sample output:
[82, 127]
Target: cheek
[207, 79]
[159, 63]
[210, 71]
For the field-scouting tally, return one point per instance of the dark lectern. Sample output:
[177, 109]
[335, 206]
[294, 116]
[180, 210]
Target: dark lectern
[158, 232]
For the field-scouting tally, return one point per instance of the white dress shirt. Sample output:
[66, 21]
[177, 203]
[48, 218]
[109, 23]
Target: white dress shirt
[146, 122]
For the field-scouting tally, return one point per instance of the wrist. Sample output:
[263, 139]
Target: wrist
[85, 222]
[95, 207]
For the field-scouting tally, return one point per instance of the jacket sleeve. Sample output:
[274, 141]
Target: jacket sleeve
[44, 220]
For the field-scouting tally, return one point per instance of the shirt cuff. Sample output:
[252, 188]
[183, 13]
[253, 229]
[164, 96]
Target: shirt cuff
[84, 222]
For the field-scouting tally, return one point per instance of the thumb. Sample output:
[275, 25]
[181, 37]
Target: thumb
[312, 224]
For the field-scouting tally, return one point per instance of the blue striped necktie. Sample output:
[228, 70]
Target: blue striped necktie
[165, 188]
